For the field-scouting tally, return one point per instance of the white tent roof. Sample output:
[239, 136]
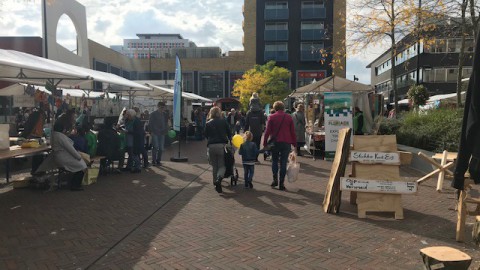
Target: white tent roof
[450, 97]
[19, 89]
[23, 67]
[159, 91]
[332, 83]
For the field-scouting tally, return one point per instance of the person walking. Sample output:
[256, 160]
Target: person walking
[255, 122]
[218, 133]
[249, 152]
[280, 128]
[158, 129]
[299, 124]
[232, 120]
[134, 141]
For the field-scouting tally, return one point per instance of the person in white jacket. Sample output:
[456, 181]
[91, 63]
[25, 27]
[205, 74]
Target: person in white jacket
[66, 156]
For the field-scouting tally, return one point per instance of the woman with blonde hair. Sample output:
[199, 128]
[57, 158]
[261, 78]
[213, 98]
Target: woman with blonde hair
[217, 132]
[254, 104]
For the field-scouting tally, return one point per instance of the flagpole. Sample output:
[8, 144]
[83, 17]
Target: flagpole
[177, 108]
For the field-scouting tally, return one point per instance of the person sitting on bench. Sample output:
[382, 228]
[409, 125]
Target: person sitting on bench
[66, 156]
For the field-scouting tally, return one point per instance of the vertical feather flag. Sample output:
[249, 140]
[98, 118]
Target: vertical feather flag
[177, 96]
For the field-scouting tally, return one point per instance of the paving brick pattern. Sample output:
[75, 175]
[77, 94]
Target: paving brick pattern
[172, 218]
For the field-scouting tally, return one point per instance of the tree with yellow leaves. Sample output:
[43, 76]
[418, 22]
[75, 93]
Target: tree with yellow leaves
[269, 81]
[374, 22]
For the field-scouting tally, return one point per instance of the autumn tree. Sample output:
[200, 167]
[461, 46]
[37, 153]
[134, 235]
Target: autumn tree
[268, 80]
[377, 22]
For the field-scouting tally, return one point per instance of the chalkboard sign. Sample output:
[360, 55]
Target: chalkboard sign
[377, 186]
[375, 157]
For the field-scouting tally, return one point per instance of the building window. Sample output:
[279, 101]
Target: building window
[311, 51]
[312, 31]
[439, 74]
[276, 31]
[187, 80]
[452, 74]
[276, 10]
[211, 84]
[234, 76]
[385, 66]
[313, 9]
[276, 51]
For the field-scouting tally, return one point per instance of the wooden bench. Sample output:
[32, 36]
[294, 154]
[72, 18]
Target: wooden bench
[464, 199]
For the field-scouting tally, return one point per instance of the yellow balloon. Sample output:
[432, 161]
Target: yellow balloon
[237, 140]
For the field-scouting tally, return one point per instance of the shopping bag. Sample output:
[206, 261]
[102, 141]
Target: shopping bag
[90, 176]
[293, 168]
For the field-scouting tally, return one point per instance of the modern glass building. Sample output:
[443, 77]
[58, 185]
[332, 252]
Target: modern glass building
[299, 35]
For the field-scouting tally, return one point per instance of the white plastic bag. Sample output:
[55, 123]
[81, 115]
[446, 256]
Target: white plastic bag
[4, 136]
[293, 168]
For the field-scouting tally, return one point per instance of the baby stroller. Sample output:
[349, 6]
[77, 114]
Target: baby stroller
[230, 170]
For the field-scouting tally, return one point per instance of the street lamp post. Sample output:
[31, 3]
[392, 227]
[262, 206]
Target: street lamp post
[418, 41]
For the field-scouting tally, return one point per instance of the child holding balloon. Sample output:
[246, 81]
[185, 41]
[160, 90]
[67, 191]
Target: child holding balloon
[248, 151]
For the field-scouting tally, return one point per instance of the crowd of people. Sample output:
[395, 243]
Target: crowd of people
[74, 141]
[279, 132]
[135, 132]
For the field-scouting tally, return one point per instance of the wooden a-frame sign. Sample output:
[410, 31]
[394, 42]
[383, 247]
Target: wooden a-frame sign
[333, 195]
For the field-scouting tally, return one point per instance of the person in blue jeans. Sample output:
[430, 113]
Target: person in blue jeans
[280, 126]
[158, 127]
[248, 151]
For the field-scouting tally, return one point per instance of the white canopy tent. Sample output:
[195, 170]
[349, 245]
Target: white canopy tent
[17, 66]
[338, 84]
[442, 98]
[332, 84]
[163, 92]
[19, 89]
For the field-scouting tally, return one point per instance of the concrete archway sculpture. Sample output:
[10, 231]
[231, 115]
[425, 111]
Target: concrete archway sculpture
[52, 11]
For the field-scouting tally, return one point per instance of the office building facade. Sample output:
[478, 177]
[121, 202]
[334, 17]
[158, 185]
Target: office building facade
[437, 64]
[299, 35]
[164, 46]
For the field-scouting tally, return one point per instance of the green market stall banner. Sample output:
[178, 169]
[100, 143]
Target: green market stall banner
[338, 115]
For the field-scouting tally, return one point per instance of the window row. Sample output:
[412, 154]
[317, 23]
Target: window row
[309, 51]
[278, 31]
[435, 46]
[284, 4]
[152, 45]
[442, 75]
[449, 45]
[436, 75]
[310, 10]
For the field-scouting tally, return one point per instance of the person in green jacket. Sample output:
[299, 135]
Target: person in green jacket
[91, 142]
[357, 121]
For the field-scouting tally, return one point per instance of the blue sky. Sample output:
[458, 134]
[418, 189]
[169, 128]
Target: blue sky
[205, 22]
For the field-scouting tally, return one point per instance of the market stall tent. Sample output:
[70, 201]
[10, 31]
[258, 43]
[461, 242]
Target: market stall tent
[334, 83]
[22, 67]
[19, 89]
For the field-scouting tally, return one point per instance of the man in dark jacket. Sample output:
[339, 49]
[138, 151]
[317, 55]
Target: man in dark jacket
[109, 145]
[158, 129]
[255, 122]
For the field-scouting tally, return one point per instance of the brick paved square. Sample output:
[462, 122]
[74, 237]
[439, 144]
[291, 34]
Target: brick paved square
[170, 217]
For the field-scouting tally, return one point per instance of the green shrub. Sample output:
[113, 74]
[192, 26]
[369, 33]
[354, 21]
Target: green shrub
[418, 94]
[433, 130]
[388, 126]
